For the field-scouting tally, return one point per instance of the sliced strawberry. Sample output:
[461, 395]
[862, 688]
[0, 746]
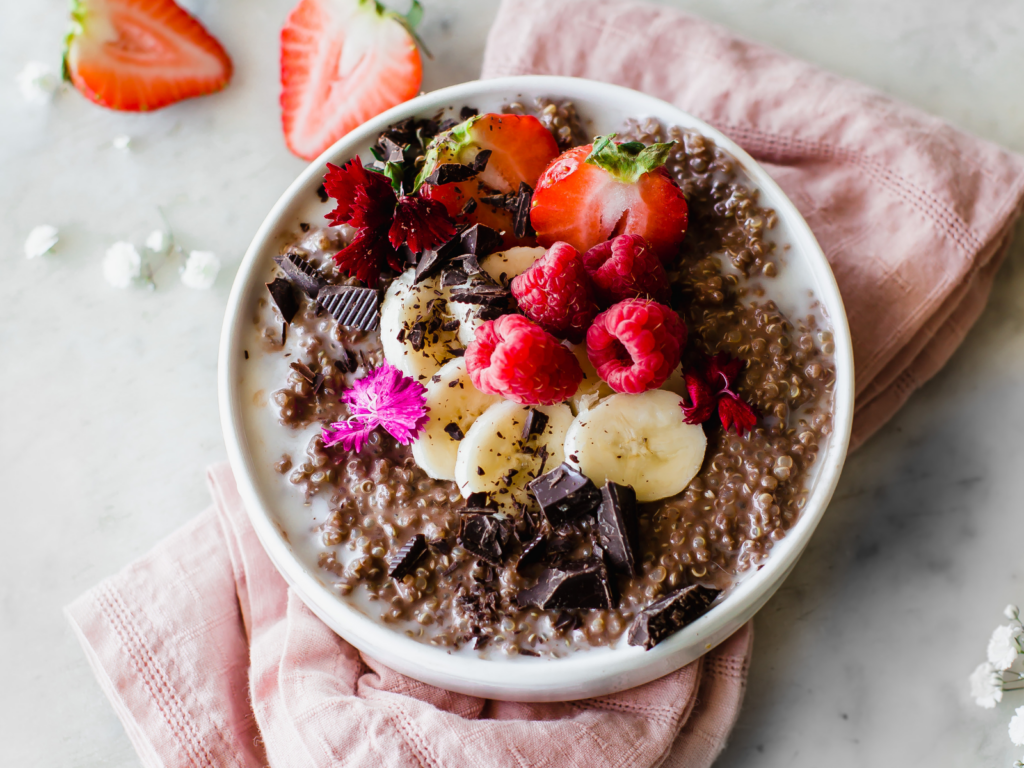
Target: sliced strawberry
[342, 62]
[521, 148]
[139, 55]
[593, 193]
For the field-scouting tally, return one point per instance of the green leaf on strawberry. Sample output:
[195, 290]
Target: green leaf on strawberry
[629, 161]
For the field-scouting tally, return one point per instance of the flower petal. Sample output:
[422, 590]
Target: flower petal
[421, 224]
[733, 411]
[702, 399]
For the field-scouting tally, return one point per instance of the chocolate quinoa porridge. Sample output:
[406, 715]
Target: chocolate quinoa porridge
[519, 573]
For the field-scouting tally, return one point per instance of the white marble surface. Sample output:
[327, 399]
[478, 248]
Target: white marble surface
[108, 411]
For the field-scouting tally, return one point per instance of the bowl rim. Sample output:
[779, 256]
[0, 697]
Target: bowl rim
[585, 673]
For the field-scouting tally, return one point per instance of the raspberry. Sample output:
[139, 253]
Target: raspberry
[517, 359]
[626, 268]
[636, 344]
[555, 293]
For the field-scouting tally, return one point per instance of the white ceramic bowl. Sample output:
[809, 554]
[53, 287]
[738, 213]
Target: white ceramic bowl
[587, 672]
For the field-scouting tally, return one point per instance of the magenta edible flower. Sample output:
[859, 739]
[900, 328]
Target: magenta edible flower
[384, 397]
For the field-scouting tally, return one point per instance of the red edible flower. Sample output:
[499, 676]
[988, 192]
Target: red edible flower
[387, 398]
[714, 387]
[383, 221]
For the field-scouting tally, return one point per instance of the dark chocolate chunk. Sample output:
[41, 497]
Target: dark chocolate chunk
[565, 494]
[347, 364]
[481, 240]
[417, 335]
[478, 499]
[467, 112]
[578, 585]
[469, 207]
[431, 262]
[543, 453]
[390, 150]
[454, 432]
[319, 381]
[442, 545]
[403, 562]
[452, 277]
[567, 622]
[351, 306]
[535, 423]
[321, 192]
[479, 643]
[506, 202]
[533, 552]
[283, 294]
[447, 173]
[447, 124]
[617, 527]
[304, 226]
[470, 264]
[669, 614]
[304, 275]
[521, 214]
[485, 536]
[528, 652]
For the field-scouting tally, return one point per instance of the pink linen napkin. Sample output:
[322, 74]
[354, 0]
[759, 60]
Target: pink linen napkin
[211, 660]
[914, 216]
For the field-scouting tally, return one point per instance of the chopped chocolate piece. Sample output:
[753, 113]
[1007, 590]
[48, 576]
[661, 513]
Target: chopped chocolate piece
[351, 306]
[669, 614]
[246, 353]
[447, 125]
[467, 112]
[321, 192]
[533, 552]
[283, 294]
[450, 325]
[304, 275]
[489, 295]
[564, 494]
[470, 264]
[319, 381]
[478, 499]
[579, 585]
[447, 173]
[567, 622]
[454, 432]
[507, 201]
[390, 150]
[481, 240]
[303, 370]
[442, 545]
[451, 568]
[528, 652]
[403, 562]
[452, 277]
[521, 214]
[431, 262]
[469, 207]
[417, 334]
[478, 643]
[617, 527]
[456, 351]
[485, 535]
[284, 334]
[304, 226]
[535, 423]
[346, 364]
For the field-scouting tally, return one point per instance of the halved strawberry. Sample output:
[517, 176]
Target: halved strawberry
[521, 148]
[343, 62]
[593, 193]
[139, 55]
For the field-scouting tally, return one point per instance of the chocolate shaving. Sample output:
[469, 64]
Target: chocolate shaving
[304, 275]
[351, 306]
[485, 536]
[283, 294]
[403, 562]
[535, 423]
[617, 528]
[449, 173]
[303, 370]
[521, 215]
[481, 294]
[670, 614]
[567, 622]
[321, 192]
[469, 207]
[347, 364]
[319, 381]
[480, 240]
[565, 494]
[579, 585]
[543, 453]
[454, 432]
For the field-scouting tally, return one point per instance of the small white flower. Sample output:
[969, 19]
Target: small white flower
[200, 270]
[1010, 611]
[122, 142]
[1002, 646]
[122, 264]
[40, 240]
[1017, 727]
[37, 82]
[158, 241]
[986, 687]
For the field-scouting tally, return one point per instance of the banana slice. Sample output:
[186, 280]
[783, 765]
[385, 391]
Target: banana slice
[493, 447]
[637, 440]
[504, 265]
[675, 382]
[406, 305]
[452, 399]
[592, 388]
